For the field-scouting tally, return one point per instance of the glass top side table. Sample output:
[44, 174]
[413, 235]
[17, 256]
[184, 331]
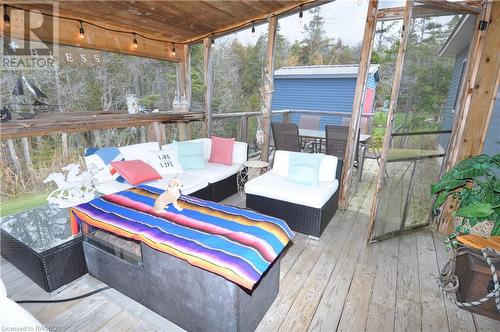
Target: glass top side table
[40, 244]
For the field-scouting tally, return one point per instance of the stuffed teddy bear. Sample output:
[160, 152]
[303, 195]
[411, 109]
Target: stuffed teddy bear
[171, 195]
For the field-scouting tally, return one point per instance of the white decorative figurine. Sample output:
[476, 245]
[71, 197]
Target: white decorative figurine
[132, 104]
[73, 189]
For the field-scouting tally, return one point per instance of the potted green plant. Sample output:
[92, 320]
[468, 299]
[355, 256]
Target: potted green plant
[473, 182]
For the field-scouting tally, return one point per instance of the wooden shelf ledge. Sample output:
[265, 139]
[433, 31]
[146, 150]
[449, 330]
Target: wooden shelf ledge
[57, 123]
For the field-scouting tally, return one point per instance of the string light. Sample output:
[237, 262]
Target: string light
[6, 17]
[173, 49]
[301, 16]
[135, 45]
[82, 31]
[213, 39]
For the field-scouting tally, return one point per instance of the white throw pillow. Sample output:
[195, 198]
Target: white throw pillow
[165, 161]
[139, 151]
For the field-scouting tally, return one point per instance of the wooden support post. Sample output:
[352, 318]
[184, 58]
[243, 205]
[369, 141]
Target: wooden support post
[476, 102]
[184, 73]
[207, 81]
[398, 73]
[364, 66]
[268, 87]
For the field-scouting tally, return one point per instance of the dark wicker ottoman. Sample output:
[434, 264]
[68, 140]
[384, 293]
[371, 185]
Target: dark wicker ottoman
[300, 218]
[194, 299]
[39, 243]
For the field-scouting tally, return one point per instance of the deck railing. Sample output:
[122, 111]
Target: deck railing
[243, 118]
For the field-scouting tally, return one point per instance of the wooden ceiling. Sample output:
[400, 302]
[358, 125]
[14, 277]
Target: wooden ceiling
[178, 21]
[109, 24]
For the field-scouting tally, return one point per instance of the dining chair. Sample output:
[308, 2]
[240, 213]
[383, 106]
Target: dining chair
[369, 151]
[311, 122]
[336, 140]
[286, 136]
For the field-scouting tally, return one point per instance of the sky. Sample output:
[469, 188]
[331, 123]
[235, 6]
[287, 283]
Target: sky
[343, 19]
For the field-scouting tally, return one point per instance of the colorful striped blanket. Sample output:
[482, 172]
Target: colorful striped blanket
[234, 243]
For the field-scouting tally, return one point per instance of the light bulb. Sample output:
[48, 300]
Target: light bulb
[173, 50]
[82, 31]
[6, 17]
[253, 29]
[135, 45]
[301, 17]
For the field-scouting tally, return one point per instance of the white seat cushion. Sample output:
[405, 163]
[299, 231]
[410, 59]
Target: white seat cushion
[190, 183]
[214, 172]
[278, 187]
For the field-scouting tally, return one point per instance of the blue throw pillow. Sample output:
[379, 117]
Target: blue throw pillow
[303, 168]
[190, 154]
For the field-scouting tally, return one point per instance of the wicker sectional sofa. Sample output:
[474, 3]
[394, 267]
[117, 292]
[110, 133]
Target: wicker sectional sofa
[215, 182]
[306, 209]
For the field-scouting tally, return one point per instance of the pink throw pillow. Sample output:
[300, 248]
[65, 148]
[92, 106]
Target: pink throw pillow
[135, 171]
[222, 150]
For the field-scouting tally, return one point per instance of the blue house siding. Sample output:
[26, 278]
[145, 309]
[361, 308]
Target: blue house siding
[492, 141]
[451, 100]
[370, 82]
[318, 94]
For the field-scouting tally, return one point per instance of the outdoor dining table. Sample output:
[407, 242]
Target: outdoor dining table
[321, 135]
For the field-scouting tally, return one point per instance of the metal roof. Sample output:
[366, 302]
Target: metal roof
[324, 71]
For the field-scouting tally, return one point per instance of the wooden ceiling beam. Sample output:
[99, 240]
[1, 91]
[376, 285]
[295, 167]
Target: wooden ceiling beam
[259, 18]
[459, 8]
[396, 13]
[66, 32]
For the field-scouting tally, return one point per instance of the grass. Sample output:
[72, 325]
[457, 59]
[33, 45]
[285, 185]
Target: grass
[25, 202]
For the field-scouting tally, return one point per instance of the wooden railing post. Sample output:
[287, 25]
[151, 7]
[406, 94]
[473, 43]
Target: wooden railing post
[286, 117]
[156, 132]
[244, 129]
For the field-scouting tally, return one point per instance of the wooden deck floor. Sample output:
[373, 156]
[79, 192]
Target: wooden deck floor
[335, 283]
